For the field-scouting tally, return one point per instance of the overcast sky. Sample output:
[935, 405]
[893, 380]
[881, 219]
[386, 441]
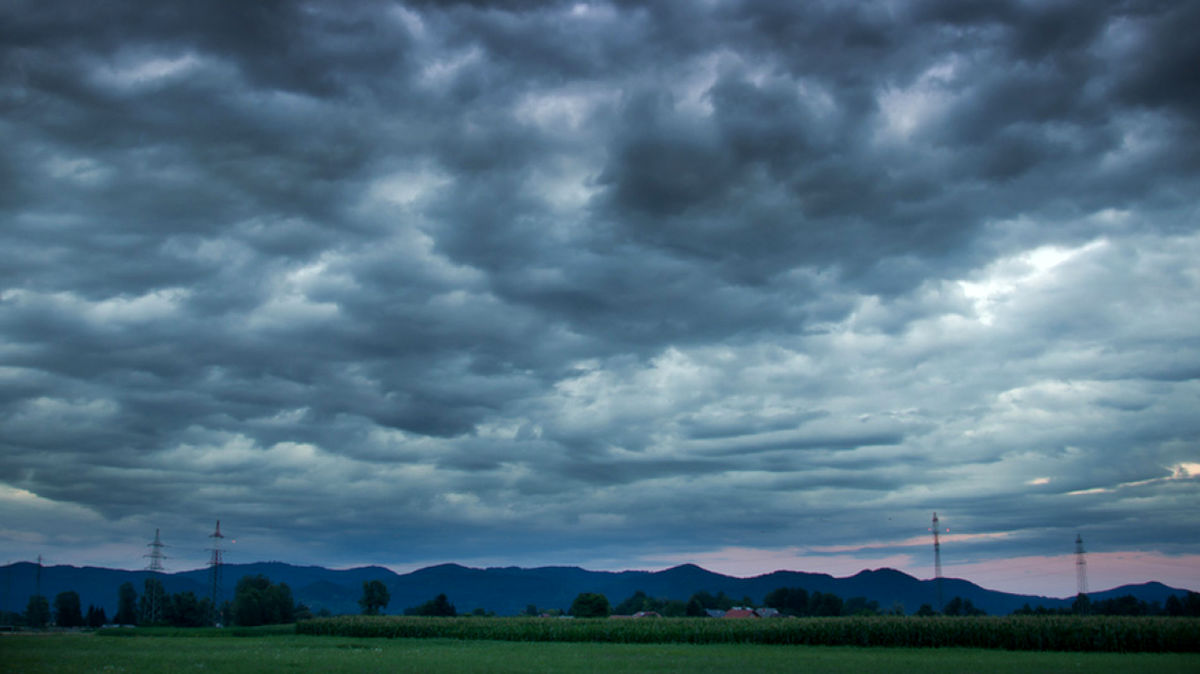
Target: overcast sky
[754, 285]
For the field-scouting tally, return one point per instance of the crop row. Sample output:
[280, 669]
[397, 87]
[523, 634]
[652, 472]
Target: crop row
[1056, 633]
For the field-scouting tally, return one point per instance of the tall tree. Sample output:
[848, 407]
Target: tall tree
[788, 600]
[185, 609]
[864, 606]
[439, 606]
[960, 606]
[126, 605]
[95, 616]
[632, 604]
[258, 601]
[37, 611]
[249, 600]
[673, 608]
[67, 611]
[154, 604]
[1082, 604]
[375, 597]
[1174, 607]
[590, 605]
[824, 604]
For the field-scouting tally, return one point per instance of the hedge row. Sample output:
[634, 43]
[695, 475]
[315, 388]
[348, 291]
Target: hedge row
[1050, 633]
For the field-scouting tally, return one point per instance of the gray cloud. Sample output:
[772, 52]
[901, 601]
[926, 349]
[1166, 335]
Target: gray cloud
[569, 283]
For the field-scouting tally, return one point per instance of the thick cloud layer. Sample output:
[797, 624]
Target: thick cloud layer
[607, 284]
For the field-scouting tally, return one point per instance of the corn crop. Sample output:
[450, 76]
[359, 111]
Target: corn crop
[1048, 633]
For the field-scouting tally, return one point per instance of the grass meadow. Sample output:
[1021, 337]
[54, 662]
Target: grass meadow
[211, 651]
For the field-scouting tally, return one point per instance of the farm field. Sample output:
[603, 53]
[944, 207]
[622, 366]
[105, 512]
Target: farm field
[81, 653]
[1117, 634]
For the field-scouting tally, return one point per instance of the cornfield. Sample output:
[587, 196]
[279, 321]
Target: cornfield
[1048, 633]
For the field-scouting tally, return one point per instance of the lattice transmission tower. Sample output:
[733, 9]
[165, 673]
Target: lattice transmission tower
[1080, 567]
[937, 560]
[214, 564]
[156, 554]
[153, 593]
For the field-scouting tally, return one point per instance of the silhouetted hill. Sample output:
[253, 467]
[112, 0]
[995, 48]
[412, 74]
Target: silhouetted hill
[508, 590]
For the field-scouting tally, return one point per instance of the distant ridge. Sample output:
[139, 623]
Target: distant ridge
[508, 590]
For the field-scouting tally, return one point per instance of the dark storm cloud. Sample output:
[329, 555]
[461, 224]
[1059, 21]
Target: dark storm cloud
[489, 275]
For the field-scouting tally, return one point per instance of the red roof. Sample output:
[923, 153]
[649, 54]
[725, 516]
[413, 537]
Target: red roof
[740, 613]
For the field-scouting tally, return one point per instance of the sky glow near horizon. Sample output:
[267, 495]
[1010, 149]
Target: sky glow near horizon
[753, 285]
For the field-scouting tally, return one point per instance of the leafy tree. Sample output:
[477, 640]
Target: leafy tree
[531, 610]
[1174, 607]
[37, 611]
[694, 608]
[186, 610]
[154, 604]
[1123, 605]
[925, 611]
[705, 599]
[723, 602]
[374, 598]
[248, 600]
[438, 606]
[673, 608]
[824, 604]
[126, 605]
[788, 600]
[1191, 604]
[961, 607]
[861, 606]
[590, 605]
[303, 612]
[257, 601]
[67, 612]
[639, 601]
[281, 607]
[96, 616]
[632, 604]
[1082, 604]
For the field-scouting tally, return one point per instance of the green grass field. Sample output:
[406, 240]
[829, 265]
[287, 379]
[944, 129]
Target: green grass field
[203, 651]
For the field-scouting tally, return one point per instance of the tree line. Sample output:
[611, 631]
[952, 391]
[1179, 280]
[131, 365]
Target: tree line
[1125, 605]
[258, 601]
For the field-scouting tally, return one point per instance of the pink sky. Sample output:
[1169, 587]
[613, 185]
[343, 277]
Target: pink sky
[1051, 576]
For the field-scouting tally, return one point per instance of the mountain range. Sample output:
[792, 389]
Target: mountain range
[508, 590]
